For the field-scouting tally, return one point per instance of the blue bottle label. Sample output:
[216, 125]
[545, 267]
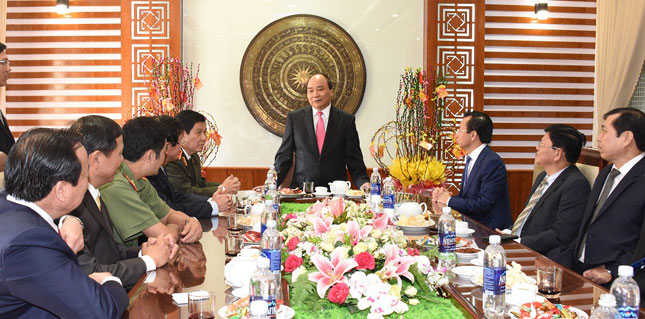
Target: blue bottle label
[628, 312]
[375, 189]
[263, 227]
[495, 280]
[272, 304]
[388, 201]
[276, 206]
[447, 241]
[275, 259]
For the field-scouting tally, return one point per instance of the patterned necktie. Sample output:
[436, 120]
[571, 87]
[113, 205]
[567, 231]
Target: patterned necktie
[529, 206]
[465, 174]
[601, 201]
[320, 132]
[98, 202]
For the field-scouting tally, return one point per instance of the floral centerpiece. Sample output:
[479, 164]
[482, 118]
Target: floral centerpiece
[406, 148]
[340, 255]
[171, 89]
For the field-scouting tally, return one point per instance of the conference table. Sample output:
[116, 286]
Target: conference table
[201, 266]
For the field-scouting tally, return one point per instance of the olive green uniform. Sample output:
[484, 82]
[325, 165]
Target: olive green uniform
[186, 175]
[134, 205]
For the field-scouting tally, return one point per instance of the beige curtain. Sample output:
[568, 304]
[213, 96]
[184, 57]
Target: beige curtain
[620, 52]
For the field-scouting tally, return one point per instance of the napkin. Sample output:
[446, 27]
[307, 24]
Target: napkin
[180, 298]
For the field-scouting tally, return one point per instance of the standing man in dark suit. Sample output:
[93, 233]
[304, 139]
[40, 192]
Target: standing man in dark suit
[484, 187]
[46, 177]
[612, 222]
[191, 204]
[6, 138]
[103, 140]
[324, 140]
[553, 211]
[185, 173]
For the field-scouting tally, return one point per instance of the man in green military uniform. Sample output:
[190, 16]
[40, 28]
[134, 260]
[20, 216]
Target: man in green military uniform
[185, 173]
[135, 208]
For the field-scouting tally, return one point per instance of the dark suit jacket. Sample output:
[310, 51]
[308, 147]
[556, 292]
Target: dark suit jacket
[341, 150]
[613, 235]
[191, 204]
[102, 253]
[186, 175]
[485, 195]
[40, 277]
[555, 218]
[6, 138]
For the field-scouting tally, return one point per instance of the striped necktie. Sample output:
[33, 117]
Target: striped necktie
[529, 207]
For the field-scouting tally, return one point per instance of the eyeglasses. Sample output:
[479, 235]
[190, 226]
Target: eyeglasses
[542, 145]
[5, 62]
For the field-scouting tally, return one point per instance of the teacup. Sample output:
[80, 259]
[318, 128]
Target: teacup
[239, 270]
[254, 209]
[321, 190]
[249, 253]
[339, 187]
[524, 292]
[411, 209]
[461, 227]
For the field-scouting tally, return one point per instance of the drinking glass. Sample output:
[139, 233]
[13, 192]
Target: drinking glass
[549, 280]
[201, 304]
[233, 222]
[308, 187]
[233, 244]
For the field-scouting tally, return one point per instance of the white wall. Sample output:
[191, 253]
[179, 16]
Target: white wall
[217, 32]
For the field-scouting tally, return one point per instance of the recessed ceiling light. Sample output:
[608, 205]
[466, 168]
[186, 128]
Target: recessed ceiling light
[395, 15]
[377, 29]
[291, 6]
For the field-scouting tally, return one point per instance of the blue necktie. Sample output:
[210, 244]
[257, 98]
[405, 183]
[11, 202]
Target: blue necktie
[465, 175]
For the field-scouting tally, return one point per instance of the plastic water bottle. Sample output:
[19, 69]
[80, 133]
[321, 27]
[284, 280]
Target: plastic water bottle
[272, 173]
[269, 213]
[389, 198]
[268, 182]
[606, 308]
[494, 279]
[447, 239]
[259, 309]
[376, 203]
[272, 248]
[626, 291]
[375, 182]
[263, 286]
[274, 196]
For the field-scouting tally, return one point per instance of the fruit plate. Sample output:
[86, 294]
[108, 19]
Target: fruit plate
[284, 312]
[517, 310]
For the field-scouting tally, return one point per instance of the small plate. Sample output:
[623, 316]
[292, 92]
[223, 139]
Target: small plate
[292, 195]
[284, 312]
[580, 314]
[476, 262]
[354, 197]
[467, 271]
[467, 233]
[512, 301]
[415, 230]
[322, 194]
[240, 292]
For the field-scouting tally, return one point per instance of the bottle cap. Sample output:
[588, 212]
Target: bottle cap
[375, 169]
[494, 239]
[446, 210]
[607, 300]
[259, 307]
[262, 262]
[268, 202]
[271, 223]
[272, 166]
[388, 179]
[626, 270]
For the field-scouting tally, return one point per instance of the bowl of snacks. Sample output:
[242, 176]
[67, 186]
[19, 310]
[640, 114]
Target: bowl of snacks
[414, 225]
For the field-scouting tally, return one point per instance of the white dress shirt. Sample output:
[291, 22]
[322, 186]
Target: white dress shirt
[325, 116]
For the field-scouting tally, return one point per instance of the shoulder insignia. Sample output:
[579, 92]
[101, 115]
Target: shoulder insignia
[131, 182]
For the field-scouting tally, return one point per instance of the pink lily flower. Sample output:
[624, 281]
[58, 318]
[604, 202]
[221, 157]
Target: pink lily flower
[395, 265]
[321, 225]
[315, 208]
[356, 233]
[337, 207]
[330, 272]
[381, 222]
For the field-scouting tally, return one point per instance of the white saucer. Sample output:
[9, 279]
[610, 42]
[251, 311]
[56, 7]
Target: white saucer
[240, 292]
[467, 271]
[322, 194]
[467, 233]
[511, 300]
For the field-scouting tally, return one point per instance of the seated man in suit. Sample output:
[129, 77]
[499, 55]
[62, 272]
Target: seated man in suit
[612, 221]
[185, 173]
[553, 212]
[6, 138]
[46, 177]
[193, 205]
[324, 140]
[135, 208]
[103, 140]
[484, 187]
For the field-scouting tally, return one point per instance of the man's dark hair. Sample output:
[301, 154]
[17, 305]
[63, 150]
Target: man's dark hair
[99, 133]
[329, 84]
[41, 158]
[2, 47]
[189, 118]
[141, 134]
[568, 138]
[630, 119]
[171, 128]
[482, 124]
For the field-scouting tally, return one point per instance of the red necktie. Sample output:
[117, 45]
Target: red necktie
[320, 132]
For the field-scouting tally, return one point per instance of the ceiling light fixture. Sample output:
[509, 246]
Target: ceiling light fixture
[62, 6]
[542, 10]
